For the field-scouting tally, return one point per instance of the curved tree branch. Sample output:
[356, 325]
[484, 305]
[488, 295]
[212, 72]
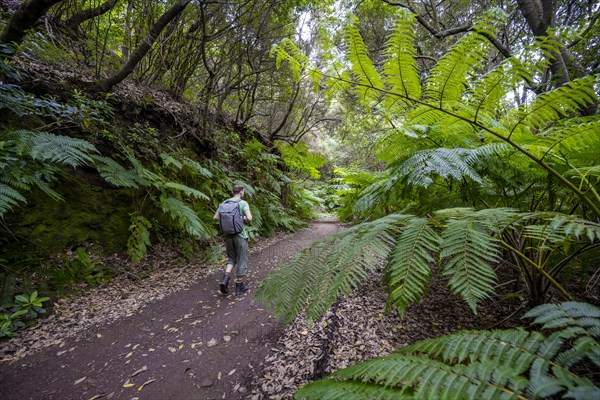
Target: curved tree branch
[84, 15]
[169, 15]
[24, 19]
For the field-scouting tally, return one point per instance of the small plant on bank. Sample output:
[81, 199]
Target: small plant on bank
[9, 323]
[31, 304]
[26, 307]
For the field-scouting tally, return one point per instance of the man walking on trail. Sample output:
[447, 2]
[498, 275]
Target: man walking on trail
[232, 214]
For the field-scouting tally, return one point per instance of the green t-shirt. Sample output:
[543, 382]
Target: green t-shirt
[244, 206]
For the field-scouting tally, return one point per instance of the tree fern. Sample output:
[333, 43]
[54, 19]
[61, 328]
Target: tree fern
[463, 108]
[508, 364]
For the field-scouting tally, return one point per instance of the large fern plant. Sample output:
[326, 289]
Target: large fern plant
[463, 244]
[460, 105]
[504, 364]
[34, 160]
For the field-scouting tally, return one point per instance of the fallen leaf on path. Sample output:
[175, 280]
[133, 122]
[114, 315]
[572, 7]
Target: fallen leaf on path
[231, 373]
[127, 384]
[139, 371]
[146, 383]
[98, 396]
[80, 380]
[219, 376]
[181, 346]
[129, 354]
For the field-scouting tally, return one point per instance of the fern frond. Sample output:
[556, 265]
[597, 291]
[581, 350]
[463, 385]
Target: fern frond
[139, 239]
[354, 256]
[449, 78]
[169, 160]
[330, 268]
[556, 104]
[567, 314]
[489, 91]
[570, 225]
[46, 146]
[333, 389]
[369, 82]
[197, 168]
[470, 251]
[184, 216]
[400, 67]
[115, 174]
[9, 198]
[188, 191]
[507, 364]
[409, 269]
[446, 163]
[44, 187]
[286, 50]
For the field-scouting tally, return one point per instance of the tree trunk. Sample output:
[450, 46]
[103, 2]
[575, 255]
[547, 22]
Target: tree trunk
[24, 19]
[108, 83]
[539, 16]
[80, 17]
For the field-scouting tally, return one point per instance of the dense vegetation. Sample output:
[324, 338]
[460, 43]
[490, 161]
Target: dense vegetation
[94, 168]
[461, 137]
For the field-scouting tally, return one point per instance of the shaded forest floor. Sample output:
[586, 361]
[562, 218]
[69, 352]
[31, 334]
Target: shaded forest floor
[173, 336]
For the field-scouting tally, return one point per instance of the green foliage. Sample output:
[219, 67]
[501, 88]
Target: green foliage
[9, 323]
[299, 159]
[462, 107]
[79, 268]
[139, 240]
[31, 304]
[33, 159]
[466, 244]
[507, 364]
[26, 307]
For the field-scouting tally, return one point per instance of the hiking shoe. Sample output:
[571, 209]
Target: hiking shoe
[240, 288]
[224, 286]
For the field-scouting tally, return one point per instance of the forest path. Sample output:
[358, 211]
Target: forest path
[193, 344]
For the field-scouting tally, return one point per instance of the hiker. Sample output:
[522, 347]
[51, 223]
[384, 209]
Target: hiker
[232, 214]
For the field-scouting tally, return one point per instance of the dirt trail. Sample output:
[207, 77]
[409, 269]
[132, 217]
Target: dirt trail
[194, 344]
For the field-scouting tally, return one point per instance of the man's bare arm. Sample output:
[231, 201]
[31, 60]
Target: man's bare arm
[247, 216]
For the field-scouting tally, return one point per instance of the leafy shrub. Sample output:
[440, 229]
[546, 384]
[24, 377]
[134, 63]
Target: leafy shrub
[26, 307]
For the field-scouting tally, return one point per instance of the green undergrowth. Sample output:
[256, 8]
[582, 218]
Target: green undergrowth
[86, 173]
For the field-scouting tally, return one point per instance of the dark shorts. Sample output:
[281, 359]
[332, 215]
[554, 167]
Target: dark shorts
[237, 253]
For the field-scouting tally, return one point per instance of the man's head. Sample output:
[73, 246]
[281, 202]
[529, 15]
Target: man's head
[238, 189]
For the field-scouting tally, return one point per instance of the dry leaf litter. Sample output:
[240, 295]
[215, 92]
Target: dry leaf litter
[358, 328]
[119, 298]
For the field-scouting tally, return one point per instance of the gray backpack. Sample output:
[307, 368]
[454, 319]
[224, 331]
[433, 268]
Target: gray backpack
[230, 218]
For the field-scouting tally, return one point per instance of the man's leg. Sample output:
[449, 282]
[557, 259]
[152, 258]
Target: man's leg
[231, 260]
[241, 247]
